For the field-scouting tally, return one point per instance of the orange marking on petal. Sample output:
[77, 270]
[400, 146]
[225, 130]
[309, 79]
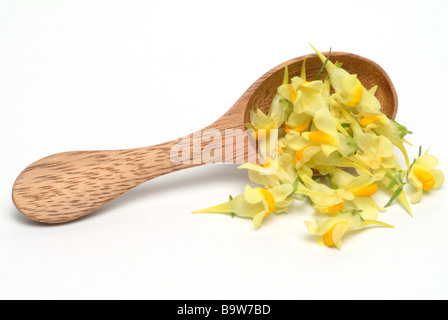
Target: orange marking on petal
[334, 208]
[425, 177]
[299, 154]
[267, 162]
[366, 191]
[356, 98]
[269, 198]
[300, 128]
[292, 94]
[370, 119]
[328, 236]
[320, 136]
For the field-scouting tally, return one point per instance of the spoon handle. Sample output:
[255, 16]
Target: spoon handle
[69, 185]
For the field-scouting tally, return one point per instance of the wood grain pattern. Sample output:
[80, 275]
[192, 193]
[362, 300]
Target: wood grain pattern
[67, 186]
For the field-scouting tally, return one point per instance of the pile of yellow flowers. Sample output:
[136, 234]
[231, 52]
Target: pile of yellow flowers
[336, 150]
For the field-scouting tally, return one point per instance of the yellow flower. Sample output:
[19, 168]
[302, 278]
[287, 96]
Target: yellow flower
[392, 178]
[307, 97]
[324, 133]
[395, 133]
[332, 230]
[301, 149]
[345, 84]
[364, 147]
[382, 125]
[363, 187]
[256, 203]
[261, 123]
[348, 89]
[298, 122]
[289, 91]
[274, 171]
[279, 110]
[324, 198]
[424, 177]
[321, 162]
[377, 150]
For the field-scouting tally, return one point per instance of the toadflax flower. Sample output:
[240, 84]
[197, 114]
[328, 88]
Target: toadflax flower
[332, 230]
[262, 124]
[325, 199]
[363, 187]
[273, 172]
[424, 177]
[348, 89]
[256, 203]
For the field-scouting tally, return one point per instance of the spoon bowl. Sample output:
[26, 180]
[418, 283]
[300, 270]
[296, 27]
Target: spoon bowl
[69, 185]
[369, 73]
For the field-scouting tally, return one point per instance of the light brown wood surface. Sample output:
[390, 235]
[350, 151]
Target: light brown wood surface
[69, 185]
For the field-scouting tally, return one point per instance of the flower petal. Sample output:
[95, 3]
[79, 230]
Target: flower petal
[439, 178]
[281, 192]
[428, 161]
[368, 206]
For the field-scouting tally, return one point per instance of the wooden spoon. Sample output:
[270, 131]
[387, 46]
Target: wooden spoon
[67, 186]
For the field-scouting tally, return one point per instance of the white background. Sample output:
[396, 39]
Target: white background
[89, 75]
